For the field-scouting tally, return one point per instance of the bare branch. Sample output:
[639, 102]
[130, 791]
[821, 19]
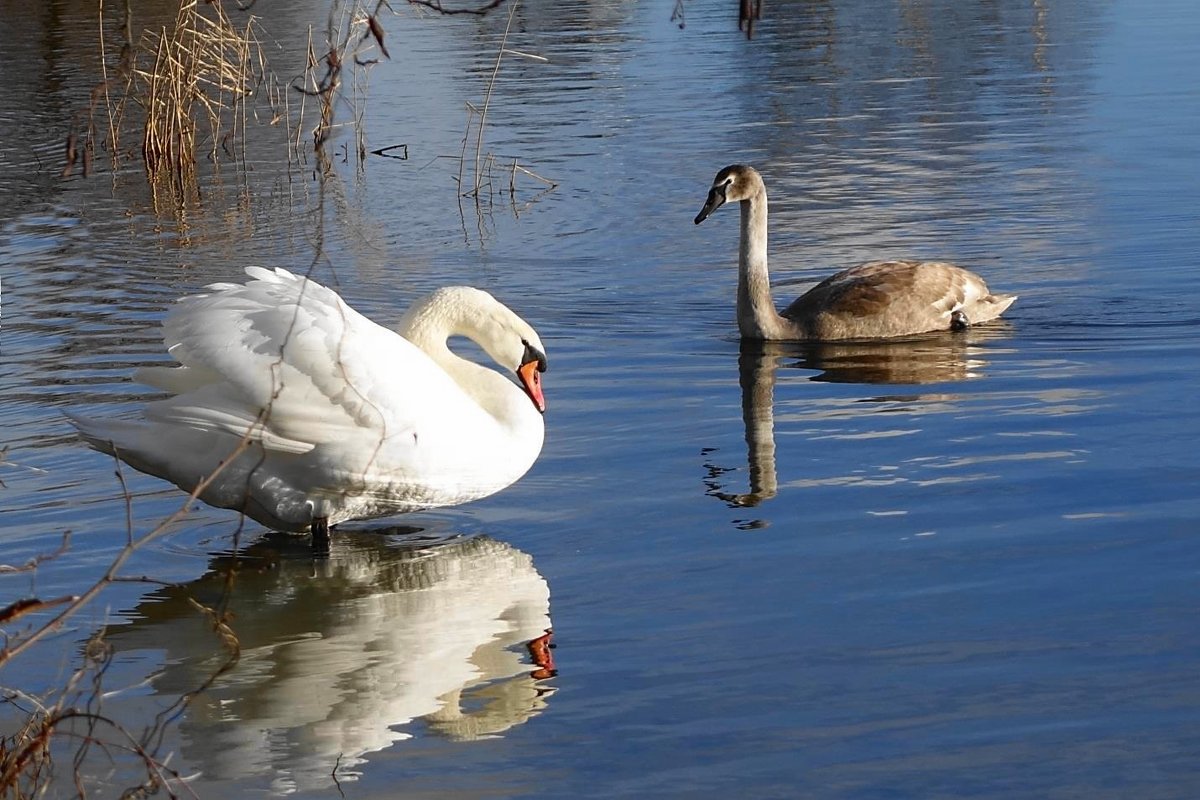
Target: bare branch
[114, 568]
[38, 559]
[20, 608]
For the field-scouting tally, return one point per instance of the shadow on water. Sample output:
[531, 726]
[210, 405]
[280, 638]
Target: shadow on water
[943, 357]
[339, 658]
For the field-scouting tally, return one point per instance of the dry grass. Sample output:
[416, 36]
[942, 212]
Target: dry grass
[353, 41]
[190, 90]
[72, 722]
[202, 72]
[184, 91]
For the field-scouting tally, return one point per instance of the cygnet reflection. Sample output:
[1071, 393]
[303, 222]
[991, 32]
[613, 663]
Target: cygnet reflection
[925, 360]
[341, 658]
[942, 357]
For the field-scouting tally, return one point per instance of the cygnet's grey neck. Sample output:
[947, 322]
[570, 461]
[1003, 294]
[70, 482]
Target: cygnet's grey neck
[756, 314]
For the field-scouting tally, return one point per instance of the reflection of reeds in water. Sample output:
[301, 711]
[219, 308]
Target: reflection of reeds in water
[749, 11]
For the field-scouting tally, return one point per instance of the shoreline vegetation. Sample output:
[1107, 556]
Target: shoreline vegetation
[198, 89]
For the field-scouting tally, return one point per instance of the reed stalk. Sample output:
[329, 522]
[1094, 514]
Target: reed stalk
[483, 165]
[202, 71]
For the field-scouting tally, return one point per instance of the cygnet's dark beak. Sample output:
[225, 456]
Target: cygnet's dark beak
[716, 199]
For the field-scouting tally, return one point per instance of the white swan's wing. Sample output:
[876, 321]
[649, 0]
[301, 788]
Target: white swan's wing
[287, 360]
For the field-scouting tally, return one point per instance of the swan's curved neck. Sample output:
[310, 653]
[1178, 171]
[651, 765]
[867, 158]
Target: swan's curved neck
[756, 314]
[502, 399]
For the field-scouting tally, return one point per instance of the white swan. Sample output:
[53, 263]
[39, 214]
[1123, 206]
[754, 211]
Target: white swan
[344, 418]
[879, 300]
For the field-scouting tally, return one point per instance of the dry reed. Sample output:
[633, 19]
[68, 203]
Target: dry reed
[202, 70]
[484, 164]
[185, 91]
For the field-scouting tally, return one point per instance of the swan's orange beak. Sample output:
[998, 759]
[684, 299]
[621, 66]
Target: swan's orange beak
[531, 381]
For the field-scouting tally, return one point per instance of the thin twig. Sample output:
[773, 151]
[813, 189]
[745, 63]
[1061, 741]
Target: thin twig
[38, 559]
[487, 100]
[126, 552]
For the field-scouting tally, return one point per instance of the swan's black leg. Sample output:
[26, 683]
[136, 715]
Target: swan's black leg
[320, 536]
[959, 321]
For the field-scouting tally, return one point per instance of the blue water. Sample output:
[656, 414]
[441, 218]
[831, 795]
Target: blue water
[962, 566]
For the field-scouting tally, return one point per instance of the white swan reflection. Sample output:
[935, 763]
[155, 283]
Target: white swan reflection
[340, 658]
[940, 358]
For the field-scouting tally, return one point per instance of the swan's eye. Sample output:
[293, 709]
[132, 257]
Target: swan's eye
[533, 354]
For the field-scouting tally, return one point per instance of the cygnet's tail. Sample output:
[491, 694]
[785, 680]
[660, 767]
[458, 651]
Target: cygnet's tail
[990, 307]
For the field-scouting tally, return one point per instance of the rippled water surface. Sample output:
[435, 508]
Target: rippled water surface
[958, 566]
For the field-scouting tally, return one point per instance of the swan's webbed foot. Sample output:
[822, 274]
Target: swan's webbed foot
[320, 536]
[959, 321]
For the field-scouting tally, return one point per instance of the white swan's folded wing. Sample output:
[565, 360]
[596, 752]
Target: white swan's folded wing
[287, 360]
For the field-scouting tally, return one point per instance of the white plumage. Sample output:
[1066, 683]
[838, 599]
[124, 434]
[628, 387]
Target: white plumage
[343, 418]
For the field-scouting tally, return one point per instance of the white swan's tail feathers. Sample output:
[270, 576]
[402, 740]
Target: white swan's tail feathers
[103, 435]
[117, 437]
